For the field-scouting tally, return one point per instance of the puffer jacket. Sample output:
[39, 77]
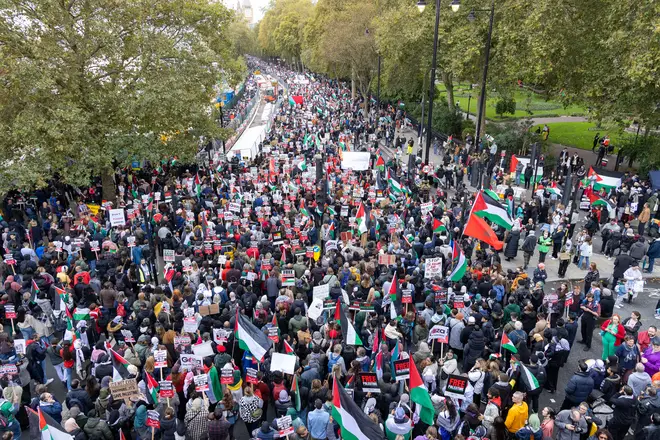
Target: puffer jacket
[456, 326]
[475, 347]
[579, 387]
[98, 429]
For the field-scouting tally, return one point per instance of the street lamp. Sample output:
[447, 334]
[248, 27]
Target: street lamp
[421, 5]
[455, 5]
[482, 97]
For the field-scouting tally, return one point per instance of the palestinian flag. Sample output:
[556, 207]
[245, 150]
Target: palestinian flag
[302, 165]
[603, 179]
[198, 185]
[330, 233]
[64, 298]
[598, 200]
[378, 365]
[342, 145]
[530, 381]
[419, 394]
[348, 332]
[459, 261]
[303, 210]
[295, 391]
[71, 333]
[215, 387]
[487, 206]
[35, 289]
[288, 349]
[395, 186]
[152, 389]
[331, 210]
[438, 226]
[50, 429]
[119, 365]
[292, 102]
[394, 355]
[380, 163]
[477, 227]
[361, 219]
[353, 422]
[506, 343]
[250, 338]
[394, 287]
[81, 314]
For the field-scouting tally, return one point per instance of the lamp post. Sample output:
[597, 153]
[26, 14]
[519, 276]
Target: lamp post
[482, 96]
[421, 5]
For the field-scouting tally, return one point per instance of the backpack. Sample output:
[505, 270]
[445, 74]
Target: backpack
[332, 360]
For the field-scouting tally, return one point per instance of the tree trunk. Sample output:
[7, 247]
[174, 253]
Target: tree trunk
[353, 85]
[483, 119]
[449, 86]
[108, 183]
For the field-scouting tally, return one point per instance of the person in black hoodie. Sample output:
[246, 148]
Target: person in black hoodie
[474, 348]
[611, 383]
[625, 408]
[649, 403]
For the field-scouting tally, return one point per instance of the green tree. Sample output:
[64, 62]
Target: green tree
[89, 85]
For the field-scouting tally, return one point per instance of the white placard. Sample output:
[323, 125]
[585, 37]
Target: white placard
[117, 217]
[283, 362]
[219, 335]
[19, 345]
[321, 292]
[204, 349]
[354, 160]
[315, 309]
[433, 267]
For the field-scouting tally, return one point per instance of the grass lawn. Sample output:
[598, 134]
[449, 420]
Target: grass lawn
[526, 102]
[581, 134]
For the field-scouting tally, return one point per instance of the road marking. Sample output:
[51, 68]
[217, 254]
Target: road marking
[552, 400]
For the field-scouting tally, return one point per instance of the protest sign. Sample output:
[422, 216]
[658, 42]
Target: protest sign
[285, 426]
[181, 343]
[440, 333]
[251, 376]
[19, 346]
[160, 358]
[191, 362]
[124, 389]
[406, 296]
[402, 369]
[153, 419]
[321, 292]
[386, 259]
[10, 311]
[220, 335]
[204, 349]
[190, 324]
[169, 255]
[433, 267]
[201, 382]
[369, 382]
[426, 208]
[117, 217]
[283, 362]
[288, 277]
[165, 389]
[315, 309]
[456, 386]
[227, 376]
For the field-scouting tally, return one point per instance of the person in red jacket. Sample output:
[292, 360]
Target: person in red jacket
[613, 333]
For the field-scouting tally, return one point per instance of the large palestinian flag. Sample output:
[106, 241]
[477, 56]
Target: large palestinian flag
[250, 338]
[530, 381]
[361, 219]
[525, 161]
[50, 429]
[598, 200]
[487, 206]
[348, 332]
[603, 179]
[119, 365]
[354, 423]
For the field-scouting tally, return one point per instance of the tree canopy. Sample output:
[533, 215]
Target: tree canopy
[88, 85]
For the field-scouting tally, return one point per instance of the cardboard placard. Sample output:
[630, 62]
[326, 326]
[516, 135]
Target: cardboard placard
[440, 333]
[251, 376]
[346, 236]
[456, 386]
[211, 309]
[369, 382]
[124, 389]
[386, 259]
[402, 369]
[165, 389]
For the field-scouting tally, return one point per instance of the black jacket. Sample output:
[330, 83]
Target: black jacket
[79, 397]
[621, 264]
[625, 408]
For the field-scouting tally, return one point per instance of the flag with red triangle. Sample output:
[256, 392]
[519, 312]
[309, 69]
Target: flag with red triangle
[152, 389]
[288, 349]
[274, 337]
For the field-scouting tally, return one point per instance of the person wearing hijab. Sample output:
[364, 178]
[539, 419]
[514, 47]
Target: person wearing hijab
[74, 430]
[398, 424]
[197, 420]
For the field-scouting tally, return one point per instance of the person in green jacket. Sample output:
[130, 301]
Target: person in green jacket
[544, 245]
